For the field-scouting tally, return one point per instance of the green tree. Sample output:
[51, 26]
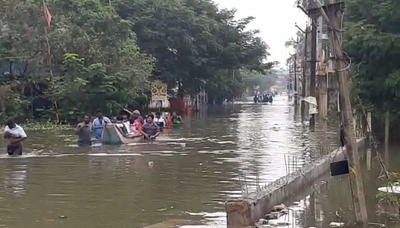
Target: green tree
[94, 87]
[371, 42]
[196, 44]
[104, 53]
[106, 69]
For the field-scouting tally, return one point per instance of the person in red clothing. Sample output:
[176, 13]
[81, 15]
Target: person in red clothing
[168, 121]
[135, 124]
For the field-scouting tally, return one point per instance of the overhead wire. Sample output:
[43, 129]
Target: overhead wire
[371, 138]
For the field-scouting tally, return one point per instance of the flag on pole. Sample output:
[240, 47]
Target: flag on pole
[48, 17]
[47, 14]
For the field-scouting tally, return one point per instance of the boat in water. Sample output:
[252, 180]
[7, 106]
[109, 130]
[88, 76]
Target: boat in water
[112, 135]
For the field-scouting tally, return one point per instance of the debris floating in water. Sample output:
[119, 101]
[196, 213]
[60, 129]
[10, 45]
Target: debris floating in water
[336, 224]
[390, 189]
[151, 164]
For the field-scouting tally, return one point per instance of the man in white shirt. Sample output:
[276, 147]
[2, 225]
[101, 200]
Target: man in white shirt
[15, 134]
[160, 121]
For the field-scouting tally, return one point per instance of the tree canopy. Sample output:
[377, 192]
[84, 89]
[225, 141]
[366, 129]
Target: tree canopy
[371, 41]
[105, 53]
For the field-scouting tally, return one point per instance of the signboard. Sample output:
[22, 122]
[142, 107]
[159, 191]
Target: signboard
[159, 90]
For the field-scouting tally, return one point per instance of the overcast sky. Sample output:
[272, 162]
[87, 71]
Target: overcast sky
[275, 19]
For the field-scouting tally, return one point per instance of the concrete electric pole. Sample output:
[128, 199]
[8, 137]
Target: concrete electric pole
[332, 12]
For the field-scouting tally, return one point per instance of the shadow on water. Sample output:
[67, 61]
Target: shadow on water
[189, 178]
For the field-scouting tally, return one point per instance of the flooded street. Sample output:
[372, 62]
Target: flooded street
[216, 156]
[332, 202]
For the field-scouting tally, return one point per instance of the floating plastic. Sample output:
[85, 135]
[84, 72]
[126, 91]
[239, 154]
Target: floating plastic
[393, 189]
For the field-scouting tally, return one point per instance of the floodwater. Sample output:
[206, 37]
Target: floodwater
[331, 201]
[219, 154]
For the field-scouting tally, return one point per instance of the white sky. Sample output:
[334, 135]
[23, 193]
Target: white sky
[274, 18]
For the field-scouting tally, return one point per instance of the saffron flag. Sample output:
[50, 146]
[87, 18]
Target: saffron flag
[47, 15]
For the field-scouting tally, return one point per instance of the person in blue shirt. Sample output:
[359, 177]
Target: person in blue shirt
[99, 123]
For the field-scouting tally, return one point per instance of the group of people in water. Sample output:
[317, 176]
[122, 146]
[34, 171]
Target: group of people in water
[131, 125]
[264, 98]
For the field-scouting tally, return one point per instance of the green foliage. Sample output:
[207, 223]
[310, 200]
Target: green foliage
[94, 87]
[104, 54]
[392, 181]
[45, 126]
[371, 40]
[196, 44]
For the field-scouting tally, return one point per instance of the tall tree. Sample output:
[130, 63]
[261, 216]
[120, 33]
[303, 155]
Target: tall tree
[193, 41]
[371, 43]
[110, 50]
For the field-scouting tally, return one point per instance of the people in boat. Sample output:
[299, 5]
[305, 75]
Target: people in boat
[15, 134]
[135, 125]
[99, 123]
[150, 130]
[160, 121]
[84, 132]
[125, 120]
[125, 128]
[121, 125]
[176, 119]
[137, 115]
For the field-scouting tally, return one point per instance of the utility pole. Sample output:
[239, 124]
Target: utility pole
[304, 82]
[295, 78]
[305, 67]
[333, 15]
[313, 62]
[322, 79]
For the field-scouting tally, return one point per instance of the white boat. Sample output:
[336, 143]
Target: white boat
[113, 135]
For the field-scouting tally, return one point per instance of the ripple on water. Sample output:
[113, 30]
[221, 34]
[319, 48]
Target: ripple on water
[114, 186]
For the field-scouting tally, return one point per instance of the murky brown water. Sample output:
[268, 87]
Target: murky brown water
[334, 197]
[191, 178]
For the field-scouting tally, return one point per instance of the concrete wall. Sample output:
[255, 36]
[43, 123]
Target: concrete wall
[244, 212]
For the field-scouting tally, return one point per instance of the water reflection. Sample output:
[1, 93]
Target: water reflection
[15, 176]
[267, 139]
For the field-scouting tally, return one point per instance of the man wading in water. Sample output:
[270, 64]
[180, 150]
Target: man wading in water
[150, 130]
[99, 123]
[84, 132]
[15, 135]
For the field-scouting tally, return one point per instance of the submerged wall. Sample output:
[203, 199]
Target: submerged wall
[244, 212]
